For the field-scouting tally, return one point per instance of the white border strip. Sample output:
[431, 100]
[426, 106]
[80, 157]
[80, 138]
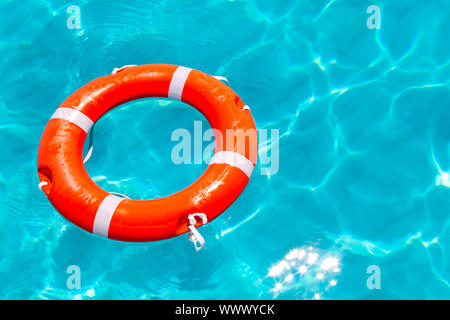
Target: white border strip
[104, 214]
[177, 83]
[76, 117]
[234, 159]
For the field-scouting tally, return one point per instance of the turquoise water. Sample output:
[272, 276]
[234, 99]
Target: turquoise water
[364, 155]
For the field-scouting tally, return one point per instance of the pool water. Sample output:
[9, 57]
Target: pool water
[359, 207]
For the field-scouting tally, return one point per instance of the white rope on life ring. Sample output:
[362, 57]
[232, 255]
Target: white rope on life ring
[194, 236]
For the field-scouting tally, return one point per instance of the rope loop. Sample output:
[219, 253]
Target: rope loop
[43, 183]
[223, 79]
[194, 236]
[115, 70]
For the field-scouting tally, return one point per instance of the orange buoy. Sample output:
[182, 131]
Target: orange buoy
[64, 180]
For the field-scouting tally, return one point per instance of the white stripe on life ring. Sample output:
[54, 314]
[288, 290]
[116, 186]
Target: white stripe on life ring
[76, 117]
[234, 159]
[105, 213]
[177, 83]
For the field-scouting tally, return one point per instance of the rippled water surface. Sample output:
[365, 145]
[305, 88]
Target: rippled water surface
[364, 158]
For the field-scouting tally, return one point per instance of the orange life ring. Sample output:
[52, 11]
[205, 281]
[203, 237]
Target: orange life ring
[72, 192]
